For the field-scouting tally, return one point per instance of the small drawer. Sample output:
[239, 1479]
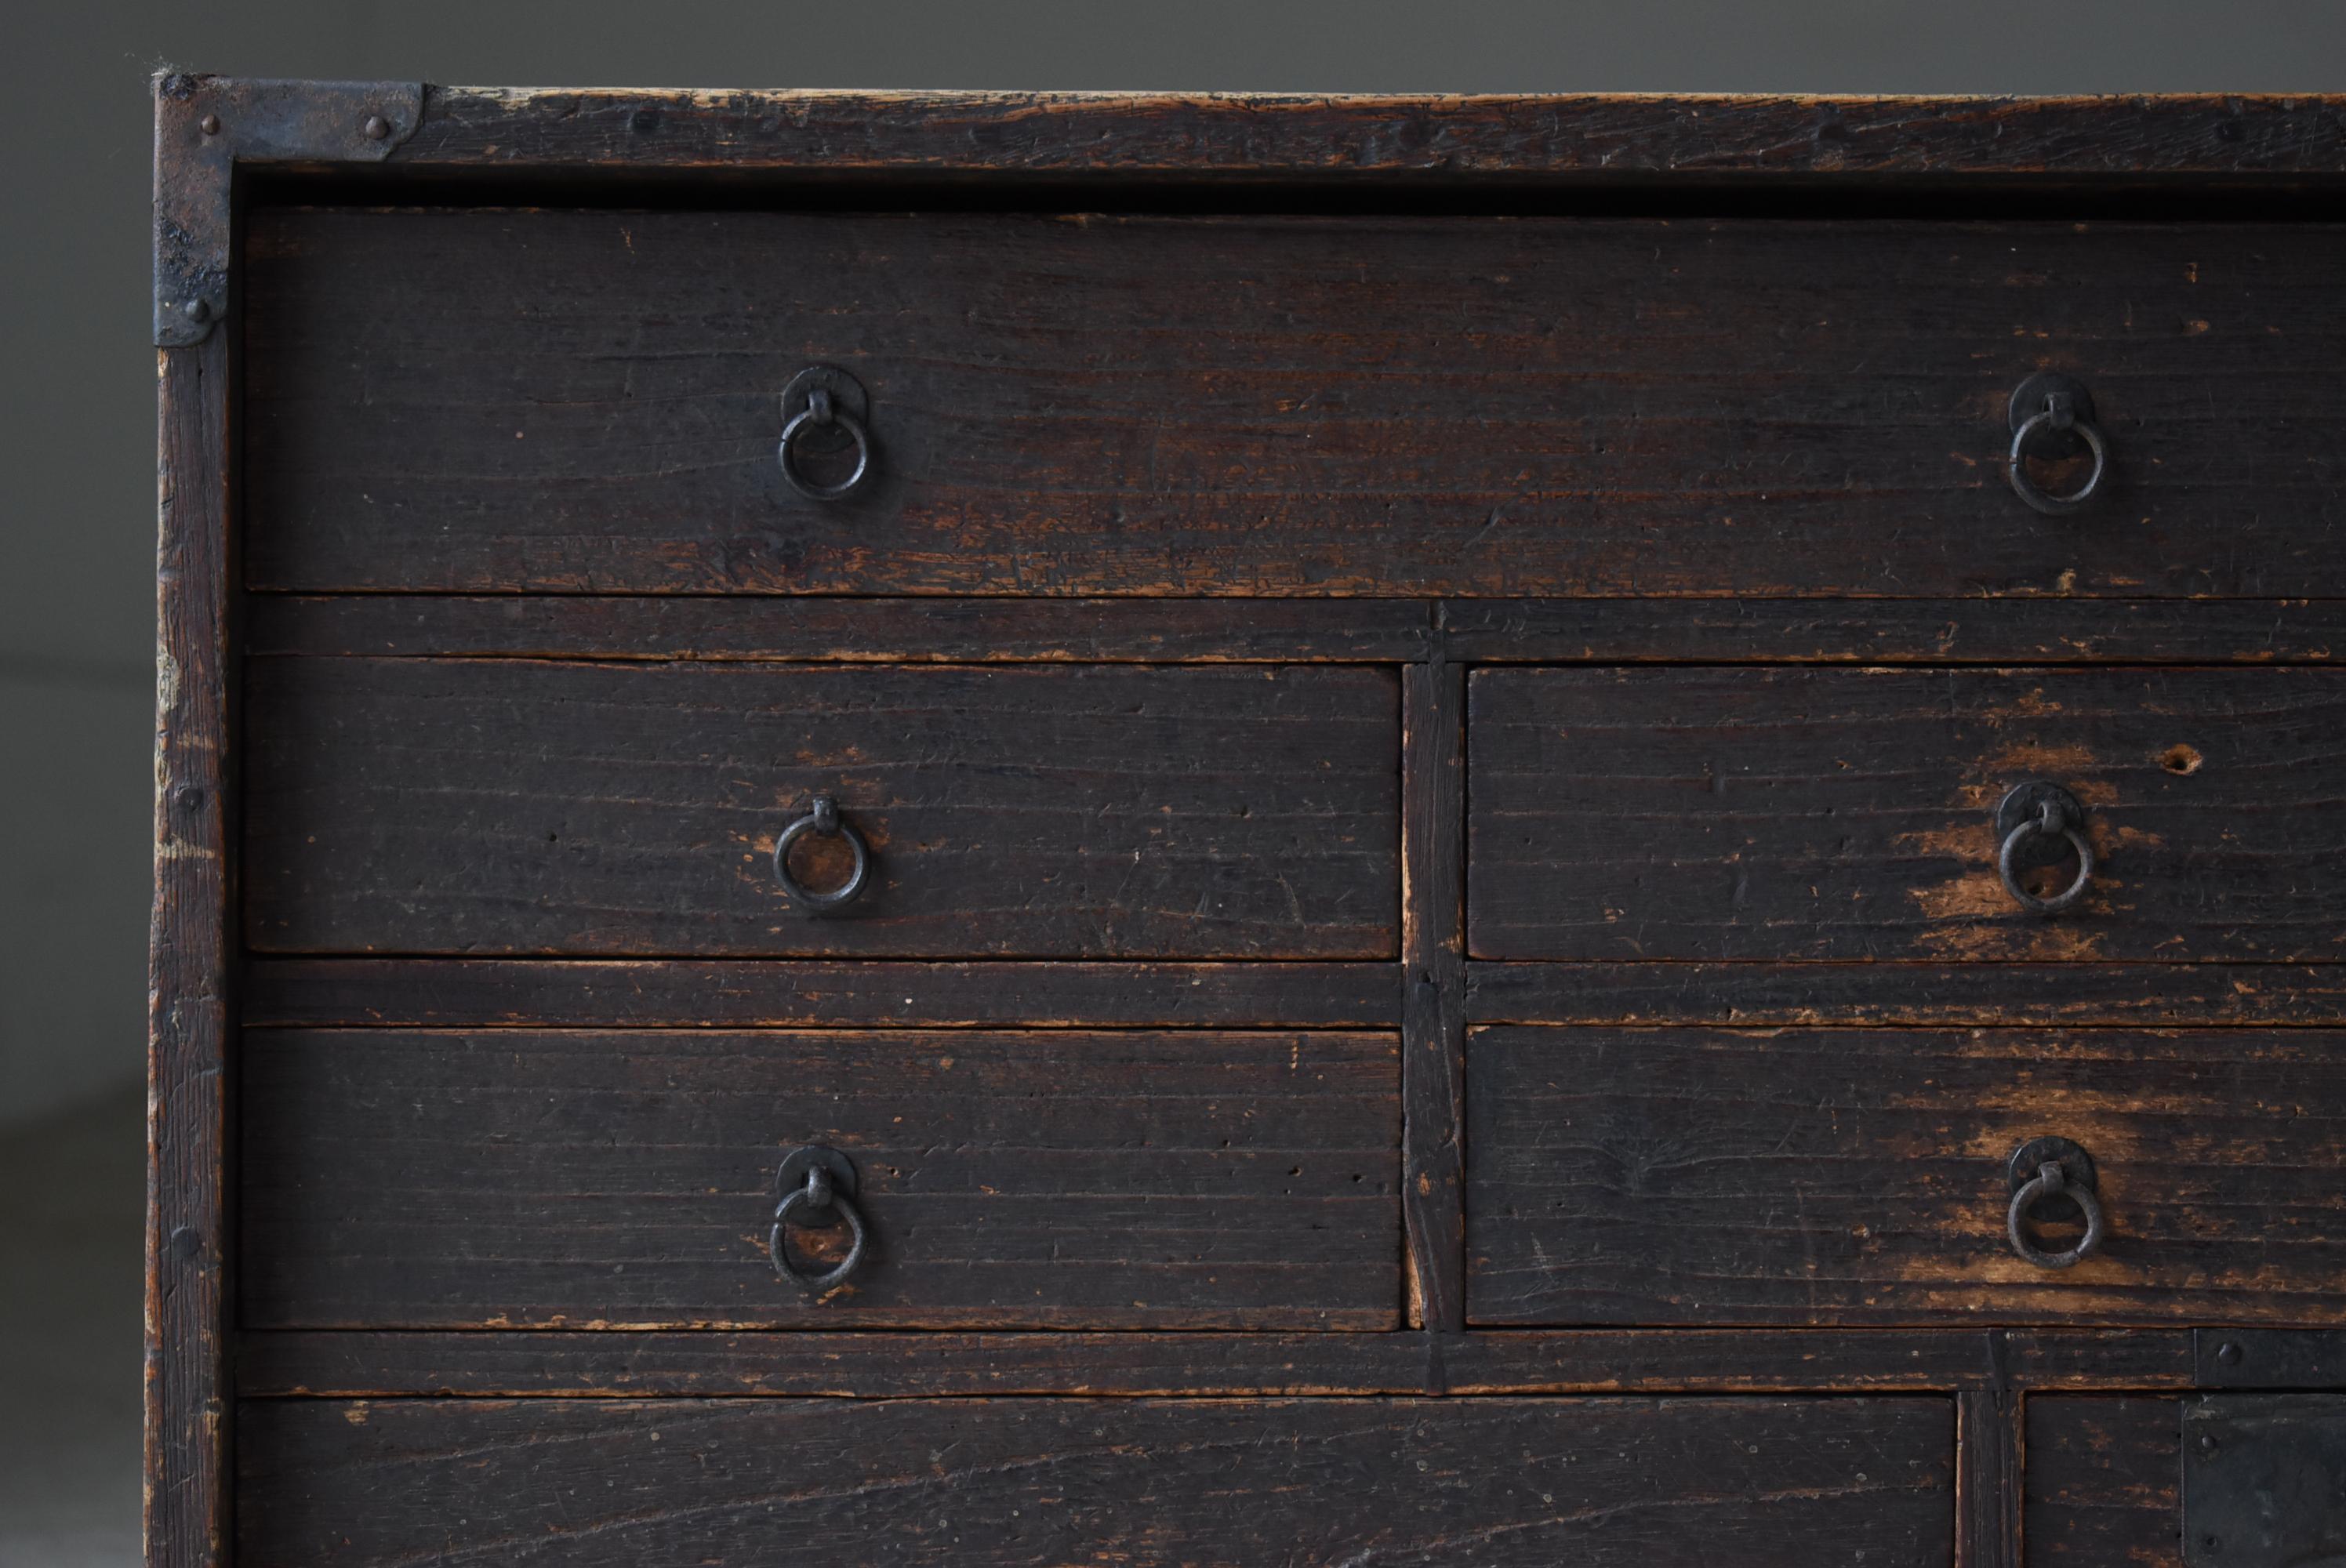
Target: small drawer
[1730, 814]
[992, 1484]
[1052, 1178]
[532, 806]
[1284, 406]
[1871, 1176]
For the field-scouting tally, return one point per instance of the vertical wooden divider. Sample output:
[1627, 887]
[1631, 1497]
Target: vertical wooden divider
[1434, 1027]
[187, 1394]
[1989, 1444]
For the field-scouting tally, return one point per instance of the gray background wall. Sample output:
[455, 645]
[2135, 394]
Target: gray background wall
[76, 489]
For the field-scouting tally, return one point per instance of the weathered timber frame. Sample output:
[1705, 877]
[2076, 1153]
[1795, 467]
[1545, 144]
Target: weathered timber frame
[213, 134]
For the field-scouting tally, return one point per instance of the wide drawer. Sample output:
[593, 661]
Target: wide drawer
[1867, 1176]
[1777, 814]
[1052, 1178]
[1310, 1483]
[452, 806]
[592, 402]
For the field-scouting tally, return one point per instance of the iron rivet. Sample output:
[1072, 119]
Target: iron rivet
[209, 124]
[377, 127]
[2211, 1543]
[197, 311]
[2229, 1353]
[2207, 1443]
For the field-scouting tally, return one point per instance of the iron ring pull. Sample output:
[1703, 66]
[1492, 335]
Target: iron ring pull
[2059, 412]
[822, 817]
[2051, 1181]
[822, 412]
[2052, 821]
[819, 1197]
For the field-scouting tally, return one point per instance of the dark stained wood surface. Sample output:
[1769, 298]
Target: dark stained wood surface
[1054, 1178]
[188, 1401]
[1989, 1443]
[1604, 138]
[1858, 1175]
[619, 1363]
[1736, 630]
[862, 631]
[1543, 631]
[1916, 994]
[1749, 814]
[493, 993]
[1204, 405]
[486, 807]
[1433, 989]
[2104, 1478]
[1609, 1483]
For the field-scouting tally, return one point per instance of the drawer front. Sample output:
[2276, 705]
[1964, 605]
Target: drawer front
[1044, 1179]
[1779, 814]
[1865, 1176]
[428, 806]
[1469, 1484]
[1283, 405]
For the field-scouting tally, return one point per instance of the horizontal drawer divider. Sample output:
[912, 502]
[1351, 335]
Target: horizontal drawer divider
[881, 1365]
[1909, 993]
[479, 994]
[978, 630]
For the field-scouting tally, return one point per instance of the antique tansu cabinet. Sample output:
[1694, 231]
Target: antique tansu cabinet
[1051, 829]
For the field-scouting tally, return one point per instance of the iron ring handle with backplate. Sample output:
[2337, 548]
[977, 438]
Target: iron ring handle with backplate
[2056, 816]
[823, 413]
[822, 817]
[2058, 413]
[2052, 1180]
[823, 1201]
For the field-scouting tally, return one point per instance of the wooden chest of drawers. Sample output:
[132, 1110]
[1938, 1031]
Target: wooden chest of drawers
[1076, 830]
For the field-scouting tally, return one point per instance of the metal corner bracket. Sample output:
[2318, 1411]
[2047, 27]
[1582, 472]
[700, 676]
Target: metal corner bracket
[205, 127]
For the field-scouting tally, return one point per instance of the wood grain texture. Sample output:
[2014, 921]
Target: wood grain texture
[1193, 405]
[620, 1363]
[1989, 1455]
[837, 630]
[1855, 1177]
[726, 627]
[1050, 1179]
[2105, 1484]
[1757, 814]
[1610, 1484]
[493, 992]
[453, 807]
[1433, 989]
[187, 1381]
[1860, 631]
[1612, 138]
[1916, 994]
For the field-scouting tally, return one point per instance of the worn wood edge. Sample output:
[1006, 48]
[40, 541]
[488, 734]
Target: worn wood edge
[188, 1397]
[831, 628]
[1908, 995]
[1615, 137]
[360, 1364]
[1990, 1447]
[1433, 1018]
[2003, 630]
[815, 628]
[736, 993]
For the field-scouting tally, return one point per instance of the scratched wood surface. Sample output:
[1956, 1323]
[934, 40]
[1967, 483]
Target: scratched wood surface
[1854, 1176]
[1049, 1178]
[2105, 1483]
[1795, 141]
[587, 401]
[1491, 1483]
[406, 806]
[1741, 814]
